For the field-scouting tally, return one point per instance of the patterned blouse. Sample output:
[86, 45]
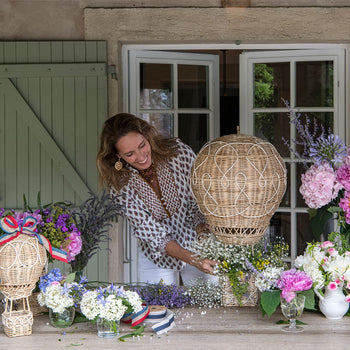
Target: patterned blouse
[173, 217]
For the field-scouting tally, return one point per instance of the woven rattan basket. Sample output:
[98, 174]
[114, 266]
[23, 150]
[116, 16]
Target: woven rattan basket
[238, 181]
[22, 261]
[250, 298]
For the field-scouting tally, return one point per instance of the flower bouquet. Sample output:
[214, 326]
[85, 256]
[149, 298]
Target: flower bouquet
[61, 295]
[275, 284]
[326, 183]
[328, 265]
[54, 223]
[107, 306]
[241, 264]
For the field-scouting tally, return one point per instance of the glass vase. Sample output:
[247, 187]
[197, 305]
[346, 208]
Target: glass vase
[62, 319]
[291, 311]
[107, 329]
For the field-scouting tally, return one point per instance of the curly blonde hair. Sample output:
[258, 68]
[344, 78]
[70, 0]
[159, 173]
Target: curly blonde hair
[163, 148]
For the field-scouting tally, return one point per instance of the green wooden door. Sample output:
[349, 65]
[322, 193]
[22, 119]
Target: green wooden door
[53, 101]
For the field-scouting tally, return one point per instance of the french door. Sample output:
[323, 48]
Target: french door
[312, 82]
[178, 93]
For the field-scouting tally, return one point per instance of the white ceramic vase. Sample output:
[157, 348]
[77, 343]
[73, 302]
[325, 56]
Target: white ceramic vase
[333, 304]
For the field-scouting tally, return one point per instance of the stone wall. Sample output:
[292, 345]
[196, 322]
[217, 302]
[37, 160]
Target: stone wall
[214, 25]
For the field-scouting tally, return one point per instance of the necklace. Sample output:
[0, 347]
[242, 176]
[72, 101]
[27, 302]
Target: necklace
[149, 174]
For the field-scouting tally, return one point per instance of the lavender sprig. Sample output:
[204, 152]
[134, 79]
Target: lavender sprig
[317, 145]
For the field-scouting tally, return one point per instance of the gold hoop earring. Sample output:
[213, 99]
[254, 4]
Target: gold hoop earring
[118, 165]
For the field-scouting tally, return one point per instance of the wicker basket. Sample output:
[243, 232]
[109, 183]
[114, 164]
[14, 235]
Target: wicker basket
[250, 298]
[17, 323]
[35, 307]
[238, 181]
[22, 261]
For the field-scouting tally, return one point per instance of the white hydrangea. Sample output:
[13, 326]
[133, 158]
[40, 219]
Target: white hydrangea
[89, 306]
[109, 303]
[55, 298]
[113, 309]
[135, 300]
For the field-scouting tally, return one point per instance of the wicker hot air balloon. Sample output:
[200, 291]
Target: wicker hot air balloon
[238, 181]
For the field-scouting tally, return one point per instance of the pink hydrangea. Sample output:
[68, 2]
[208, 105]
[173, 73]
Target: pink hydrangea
[343, 176]
[344, 203]
[74, 246]
[319, 185]
[292, 281]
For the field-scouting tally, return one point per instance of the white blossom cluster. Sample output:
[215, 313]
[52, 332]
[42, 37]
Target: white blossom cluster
[324, 265]
[134, 299]
[205, 294]
[55, 298]
[268, 278]
[89, 306]
[109, 304]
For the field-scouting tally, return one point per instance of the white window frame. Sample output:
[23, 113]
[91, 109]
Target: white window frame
[177, 58]
[127, 48]
[247, 110]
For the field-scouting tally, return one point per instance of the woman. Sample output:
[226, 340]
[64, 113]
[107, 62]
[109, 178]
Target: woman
[149, 175]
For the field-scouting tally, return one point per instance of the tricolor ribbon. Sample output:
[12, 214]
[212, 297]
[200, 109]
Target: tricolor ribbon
[162, 318]
[9, 225]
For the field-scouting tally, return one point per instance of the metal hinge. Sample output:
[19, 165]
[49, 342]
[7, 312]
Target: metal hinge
[112, 70]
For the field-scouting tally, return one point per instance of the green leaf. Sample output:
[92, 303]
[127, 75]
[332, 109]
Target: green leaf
[309, 299]
[319, 220]
[335, 210]
[70, 278]
[137, 331]
[269, 301]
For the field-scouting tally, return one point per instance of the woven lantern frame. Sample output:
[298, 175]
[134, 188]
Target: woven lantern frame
[238, 181]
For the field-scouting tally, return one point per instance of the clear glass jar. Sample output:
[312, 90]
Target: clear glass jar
[62, 319]
[107, 329]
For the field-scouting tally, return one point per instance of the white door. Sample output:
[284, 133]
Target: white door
[312, 81]
[179, 94]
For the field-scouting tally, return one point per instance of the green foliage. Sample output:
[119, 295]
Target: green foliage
[263, 85]
[270, 300]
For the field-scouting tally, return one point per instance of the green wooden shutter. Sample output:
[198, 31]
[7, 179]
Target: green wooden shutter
[53, 102]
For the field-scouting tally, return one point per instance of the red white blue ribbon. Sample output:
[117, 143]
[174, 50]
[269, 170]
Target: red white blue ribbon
[162, 318]
[9, 225]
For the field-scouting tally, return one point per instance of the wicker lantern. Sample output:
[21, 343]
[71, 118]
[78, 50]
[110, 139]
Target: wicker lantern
[22, 261]
[238, 181]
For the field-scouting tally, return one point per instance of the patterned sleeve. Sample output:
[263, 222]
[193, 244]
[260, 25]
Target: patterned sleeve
[145, 227]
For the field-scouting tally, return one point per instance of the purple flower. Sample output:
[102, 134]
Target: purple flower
[343, 176]
[331, 149]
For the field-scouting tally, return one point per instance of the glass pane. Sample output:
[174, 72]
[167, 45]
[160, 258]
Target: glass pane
[314, 84]
[192, 86]
[304, 234]
[193, 130]
[279, 227]
[155, 86]
[271, 84]
[322, 119]
[285, 202]
[272, 127]
[163, 122]
[300, 168]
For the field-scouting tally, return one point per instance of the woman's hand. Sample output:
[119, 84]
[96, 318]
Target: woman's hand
[206, 265]
[175, 250]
